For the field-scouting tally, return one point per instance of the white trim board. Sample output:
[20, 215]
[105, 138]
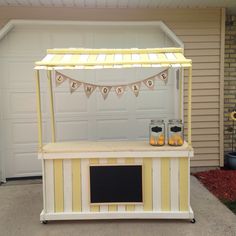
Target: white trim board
[117, 215]
[85, 155]
[12, 23]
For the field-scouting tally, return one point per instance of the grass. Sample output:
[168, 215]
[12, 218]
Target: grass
[231, 206]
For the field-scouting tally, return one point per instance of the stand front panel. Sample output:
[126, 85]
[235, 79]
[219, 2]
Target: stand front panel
[165, 188]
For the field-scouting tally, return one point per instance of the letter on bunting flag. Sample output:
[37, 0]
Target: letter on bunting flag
[89, 88]
[60, 78]
[105, 91]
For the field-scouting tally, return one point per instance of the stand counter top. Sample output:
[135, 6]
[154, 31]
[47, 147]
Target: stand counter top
[112, 149]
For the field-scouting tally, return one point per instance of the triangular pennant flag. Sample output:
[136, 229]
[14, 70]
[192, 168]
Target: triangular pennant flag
[150, 82]
[105, 91]
[135, 87]
[164, 76]
[60, 78]
[120, 90]
[89, 88]
[74, 84]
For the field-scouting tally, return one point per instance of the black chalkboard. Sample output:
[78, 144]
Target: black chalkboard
[121, 183]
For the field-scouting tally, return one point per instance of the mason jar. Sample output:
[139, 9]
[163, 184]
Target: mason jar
[175, 132]
[157, 132]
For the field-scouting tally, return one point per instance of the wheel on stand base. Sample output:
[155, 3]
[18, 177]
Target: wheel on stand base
[193, 221]
[44, 222]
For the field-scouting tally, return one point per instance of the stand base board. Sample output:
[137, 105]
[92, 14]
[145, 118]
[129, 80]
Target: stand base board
[117, 215]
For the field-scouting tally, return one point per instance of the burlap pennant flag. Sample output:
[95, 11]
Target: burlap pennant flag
[120, 90]
[150, 82]
[105, 91]
[89, 88]
[74, 85]
[163, 76]
[59, 78]
[135, 87]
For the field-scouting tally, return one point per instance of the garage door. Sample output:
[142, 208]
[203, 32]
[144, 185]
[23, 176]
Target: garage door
[77, 117]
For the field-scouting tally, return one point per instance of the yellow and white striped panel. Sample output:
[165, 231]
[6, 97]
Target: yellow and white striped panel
[113, 58]
[165, 185]
[85, 185]
[67, 183]
[76, 185]
[49, 186]
[58, 185]
[147, 184]
[184, 184]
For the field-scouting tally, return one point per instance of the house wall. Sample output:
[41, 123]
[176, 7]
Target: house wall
[2, 168]
[230, 78]
[202, 33]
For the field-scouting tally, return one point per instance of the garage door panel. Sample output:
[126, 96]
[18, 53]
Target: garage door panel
[19, 72]
[116, 37]
[67, 38]
[151, 38]
[72, 130]
[112, 104]
[70, 103]
[22, 103]
[21, 169]
[153, 100]
[24, 133]
[4, 72]
[19, 41]
[112, 129]
[114, 76]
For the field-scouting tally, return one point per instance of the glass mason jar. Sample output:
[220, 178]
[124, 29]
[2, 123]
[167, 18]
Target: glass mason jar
[175, 132]
[157, 133]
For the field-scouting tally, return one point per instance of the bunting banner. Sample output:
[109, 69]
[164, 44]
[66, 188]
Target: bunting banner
[105, 89]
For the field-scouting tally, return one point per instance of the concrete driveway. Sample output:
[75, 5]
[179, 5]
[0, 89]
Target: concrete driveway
[21, 204]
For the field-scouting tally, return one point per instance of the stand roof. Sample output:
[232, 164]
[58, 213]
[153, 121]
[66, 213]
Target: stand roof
[81, 58]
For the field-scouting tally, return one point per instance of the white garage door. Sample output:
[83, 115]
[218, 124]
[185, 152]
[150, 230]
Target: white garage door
[77, 117]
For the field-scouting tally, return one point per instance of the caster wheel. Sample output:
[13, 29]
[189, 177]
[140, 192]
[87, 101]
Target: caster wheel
[44, 222]
[193, 221]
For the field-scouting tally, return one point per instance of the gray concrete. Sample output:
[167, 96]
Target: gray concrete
[21, 204]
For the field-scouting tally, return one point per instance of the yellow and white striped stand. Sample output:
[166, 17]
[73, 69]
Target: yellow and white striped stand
[66, 180]
[65, 166]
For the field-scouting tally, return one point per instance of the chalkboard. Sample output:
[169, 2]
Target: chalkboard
[119, 183]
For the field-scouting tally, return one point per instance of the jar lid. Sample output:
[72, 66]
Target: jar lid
[175, 121]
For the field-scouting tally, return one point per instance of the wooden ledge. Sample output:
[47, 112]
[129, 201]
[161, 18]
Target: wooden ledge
[112, 149]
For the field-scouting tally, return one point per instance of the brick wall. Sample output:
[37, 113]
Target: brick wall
[230, 80]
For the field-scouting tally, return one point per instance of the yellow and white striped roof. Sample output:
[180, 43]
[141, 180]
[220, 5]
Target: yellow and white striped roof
[81, 58]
